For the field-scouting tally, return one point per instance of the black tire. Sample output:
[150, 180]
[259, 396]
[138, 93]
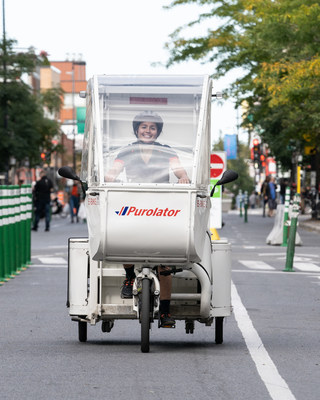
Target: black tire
[82, 331]
[219, 330]
[145, 316]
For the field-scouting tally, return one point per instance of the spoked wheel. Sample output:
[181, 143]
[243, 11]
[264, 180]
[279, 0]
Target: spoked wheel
[82, 331]
[219, 330]
[145, 316]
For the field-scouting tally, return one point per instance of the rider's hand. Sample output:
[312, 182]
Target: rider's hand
[183, 180]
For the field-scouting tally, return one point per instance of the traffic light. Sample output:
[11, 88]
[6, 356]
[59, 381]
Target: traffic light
[263, 160]
[256, 153]
[45, 156]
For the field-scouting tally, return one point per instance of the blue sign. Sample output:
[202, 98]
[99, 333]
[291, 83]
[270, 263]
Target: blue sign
[230, 146]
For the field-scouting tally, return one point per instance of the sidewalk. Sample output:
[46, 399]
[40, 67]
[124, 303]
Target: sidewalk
[305, 221]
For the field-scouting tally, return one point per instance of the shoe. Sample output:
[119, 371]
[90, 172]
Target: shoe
[34, 229]
[126, 290]
[47, 229]
[166, 321]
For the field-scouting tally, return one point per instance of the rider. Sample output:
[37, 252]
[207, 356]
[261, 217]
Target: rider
[146, 161]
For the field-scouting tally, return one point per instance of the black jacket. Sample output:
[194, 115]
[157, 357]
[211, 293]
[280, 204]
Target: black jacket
[43, 189]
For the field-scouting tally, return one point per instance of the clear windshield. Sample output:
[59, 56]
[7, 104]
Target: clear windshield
[149, 128]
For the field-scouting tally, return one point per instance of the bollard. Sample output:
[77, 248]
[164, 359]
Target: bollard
[292, 234]
[29, 212]
[246, 204]
[18, 235]
[6, 232]
[2, 261]
[15, 230]
[240, 201]
[286, 217]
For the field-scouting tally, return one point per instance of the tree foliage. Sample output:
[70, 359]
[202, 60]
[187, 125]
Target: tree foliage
[24, 129]
[276, 43]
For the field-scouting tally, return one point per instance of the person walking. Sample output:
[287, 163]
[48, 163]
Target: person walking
[272, 203]
[41, 195]
[74, 202]
[265, 193]
[253, 199]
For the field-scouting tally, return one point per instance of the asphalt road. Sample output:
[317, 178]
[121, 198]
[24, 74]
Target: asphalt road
[271, 342]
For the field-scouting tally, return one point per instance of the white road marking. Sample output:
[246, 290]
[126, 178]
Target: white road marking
[284, 255]
[298, 258]
[275, 271]
[258, 265]
[271, 254]
[275, 384]
[48, 266]
[52, 260]
[306, 267]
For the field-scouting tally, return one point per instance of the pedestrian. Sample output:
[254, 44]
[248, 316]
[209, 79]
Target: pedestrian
[253, 199]
[265, 192]
[74, 202]
[41, 194]
[272, 203]
[148, 161]
[283, 187]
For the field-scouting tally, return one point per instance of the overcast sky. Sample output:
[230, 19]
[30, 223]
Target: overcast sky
[112, 37]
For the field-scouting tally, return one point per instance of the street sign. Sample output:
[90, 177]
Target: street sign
[217, 165]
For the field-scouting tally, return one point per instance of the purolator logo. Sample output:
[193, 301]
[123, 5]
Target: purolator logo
[147, 212]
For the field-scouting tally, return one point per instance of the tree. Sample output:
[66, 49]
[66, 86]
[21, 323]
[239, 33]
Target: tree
[276, 44]
[24, 129]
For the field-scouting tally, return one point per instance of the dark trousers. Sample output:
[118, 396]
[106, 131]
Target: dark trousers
[42, 210]
[74, 202]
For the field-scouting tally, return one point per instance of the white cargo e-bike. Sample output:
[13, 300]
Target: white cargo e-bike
[145, 218]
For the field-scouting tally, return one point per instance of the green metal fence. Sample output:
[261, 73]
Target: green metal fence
[15, 230]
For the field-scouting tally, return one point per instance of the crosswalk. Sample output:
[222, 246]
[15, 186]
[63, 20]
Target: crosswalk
[58, 262]
[263, 266]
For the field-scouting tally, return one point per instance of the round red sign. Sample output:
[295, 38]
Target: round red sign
[217, 166]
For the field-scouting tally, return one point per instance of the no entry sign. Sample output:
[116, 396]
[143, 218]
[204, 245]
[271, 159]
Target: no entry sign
[218, 161]
[217, 166]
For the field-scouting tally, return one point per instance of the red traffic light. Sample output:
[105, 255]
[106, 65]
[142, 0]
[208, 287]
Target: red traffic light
[255, 142]
[43, 156]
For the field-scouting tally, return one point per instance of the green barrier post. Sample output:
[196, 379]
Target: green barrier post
[28, 222]
[240, 202]
[246, 204]
[2, 260]
[292, 234]
[286, 221]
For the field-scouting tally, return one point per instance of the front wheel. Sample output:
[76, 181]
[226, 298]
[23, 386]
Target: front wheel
[145, 316]
[82, 331]
[219, 330]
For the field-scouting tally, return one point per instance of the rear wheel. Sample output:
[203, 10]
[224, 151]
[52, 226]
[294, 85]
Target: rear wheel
[219, 330]
[145, 316]
[82, 331]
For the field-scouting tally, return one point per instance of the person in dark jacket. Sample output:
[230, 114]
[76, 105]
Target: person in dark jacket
[41, 193]
[265, 194]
